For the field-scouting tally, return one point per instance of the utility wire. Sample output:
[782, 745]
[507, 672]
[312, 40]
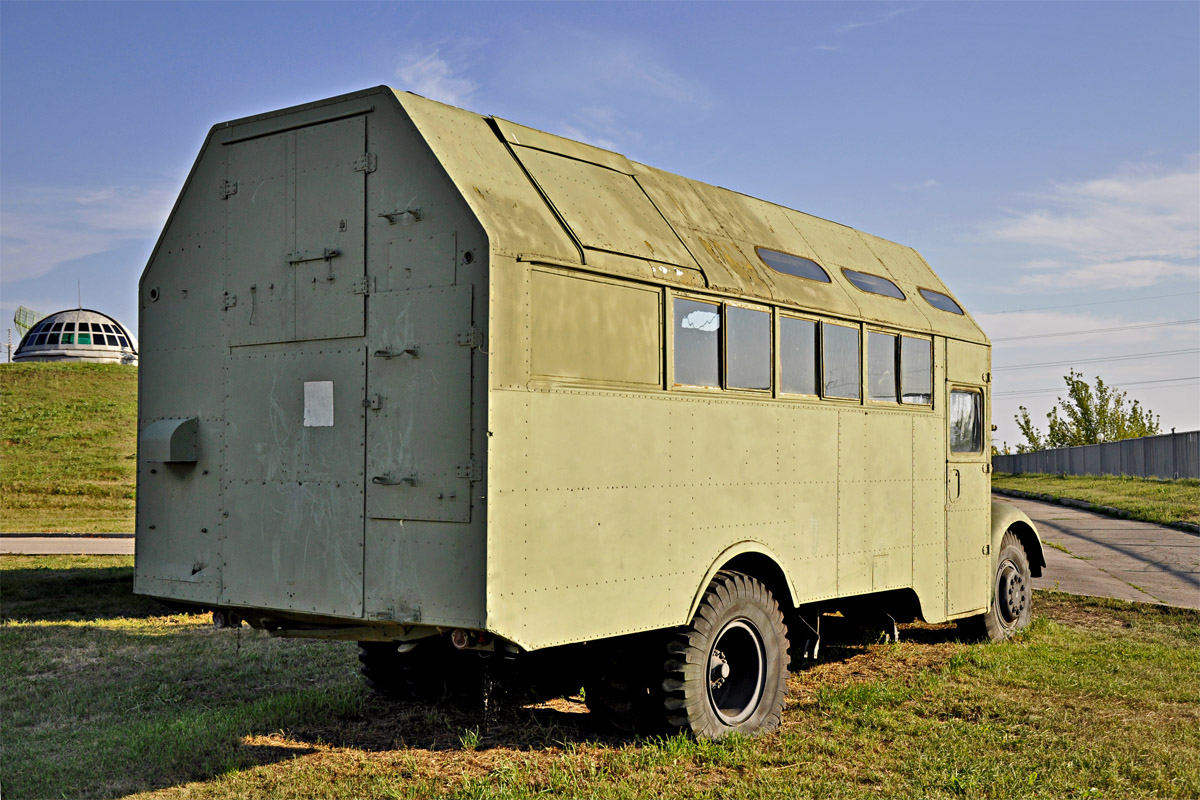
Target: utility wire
[1098, 330]
[1122, 386]
[1098, 360]
[1097, 303]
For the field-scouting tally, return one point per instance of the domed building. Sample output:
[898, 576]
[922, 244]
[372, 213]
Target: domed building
[78, 334]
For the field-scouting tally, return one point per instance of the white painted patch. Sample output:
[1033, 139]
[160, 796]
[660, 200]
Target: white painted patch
[318, 404]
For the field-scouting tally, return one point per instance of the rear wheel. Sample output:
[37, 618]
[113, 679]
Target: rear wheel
[623, 687]
[727, 671]
[428, 670]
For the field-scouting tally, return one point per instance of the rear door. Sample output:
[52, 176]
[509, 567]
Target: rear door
[292, 484]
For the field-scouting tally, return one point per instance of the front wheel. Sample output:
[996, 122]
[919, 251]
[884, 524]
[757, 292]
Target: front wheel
[727, 670]
[1012, 591]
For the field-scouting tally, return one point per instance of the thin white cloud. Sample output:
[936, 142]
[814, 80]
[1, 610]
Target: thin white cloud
[43, 227]
[881, 19]
[1133, 230]
[427, 73]
[1133, 274]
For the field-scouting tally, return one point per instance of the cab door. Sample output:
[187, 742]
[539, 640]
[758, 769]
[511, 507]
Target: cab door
[968, 478]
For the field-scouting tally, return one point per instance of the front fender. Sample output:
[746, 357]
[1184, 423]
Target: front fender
[1006, 517]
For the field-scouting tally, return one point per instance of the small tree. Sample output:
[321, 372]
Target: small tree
[1088, 416]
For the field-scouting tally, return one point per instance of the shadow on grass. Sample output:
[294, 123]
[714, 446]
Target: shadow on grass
[85, 593]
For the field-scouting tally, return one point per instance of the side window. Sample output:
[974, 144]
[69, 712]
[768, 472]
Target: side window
[881, 367]
[966, 421]
[84, 338]
[68, 338]
[916, 370]
[841, 359]
[697, 343]
[747, 348]
[797, 356]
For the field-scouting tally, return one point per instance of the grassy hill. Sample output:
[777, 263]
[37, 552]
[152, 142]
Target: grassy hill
[68, 447]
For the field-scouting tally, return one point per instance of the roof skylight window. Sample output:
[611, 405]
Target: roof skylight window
[874, 284]
[789, 264]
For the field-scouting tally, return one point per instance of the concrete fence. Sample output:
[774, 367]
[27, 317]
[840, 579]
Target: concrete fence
[1172, 455]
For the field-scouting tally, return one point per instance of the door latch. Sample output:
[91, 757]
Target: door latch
[405, 216]
[410, 351]
[388, 480]
[374, 402]
[300, 256]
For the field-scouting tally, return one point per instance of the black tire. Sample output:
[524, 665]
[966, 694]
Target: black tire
[623, 689]
[428, 670]
[1012, 591]
[728, 670]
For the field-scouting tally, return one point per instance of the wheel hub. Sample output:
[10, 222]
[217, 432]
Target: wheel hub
[1011, 592]
[737, 672]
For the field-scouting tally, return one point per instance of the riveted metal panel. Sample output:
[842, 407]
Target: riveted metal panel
[589, 330]
[419, 463]
[329, 211]
[257, 241]
[292, 495]
[605, 209]
[489, 179]
[295, 235]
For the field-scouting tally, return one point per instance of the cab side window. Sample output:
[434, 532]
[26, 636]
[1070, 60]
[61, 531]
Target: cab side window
[966, 421]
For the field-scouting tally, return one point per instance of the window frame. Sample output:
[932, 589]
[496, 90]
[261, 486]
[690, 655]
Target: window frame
[818, 369]
[965, 455]
[724, 347]
[857, 327]
[672, 381]
[895, 337]
[900, 370]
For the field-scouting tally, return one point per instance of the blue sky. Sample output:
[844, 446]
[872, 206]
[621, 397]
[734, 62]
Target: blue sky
[1039, 155]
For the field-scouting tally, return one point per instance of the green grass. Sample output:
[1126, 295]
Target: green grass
[103, 694]
[68, 447]
[1146, 499]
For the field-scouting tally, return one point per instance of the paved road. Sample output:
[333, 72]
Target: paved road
[67, 544]
[1115, 557]
[1107, 557]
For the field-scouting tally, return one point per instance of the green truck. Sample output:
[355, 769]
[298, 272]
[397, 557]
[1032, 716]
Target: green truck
[454, 388]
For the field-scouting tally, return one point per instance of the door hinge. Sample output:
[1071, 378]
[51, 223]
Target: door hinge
[365, 285]
[365, 163]
[987, 549]
[228, 188]
[472, 337]
[472, 471]
[228, 300]
[374, 402]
